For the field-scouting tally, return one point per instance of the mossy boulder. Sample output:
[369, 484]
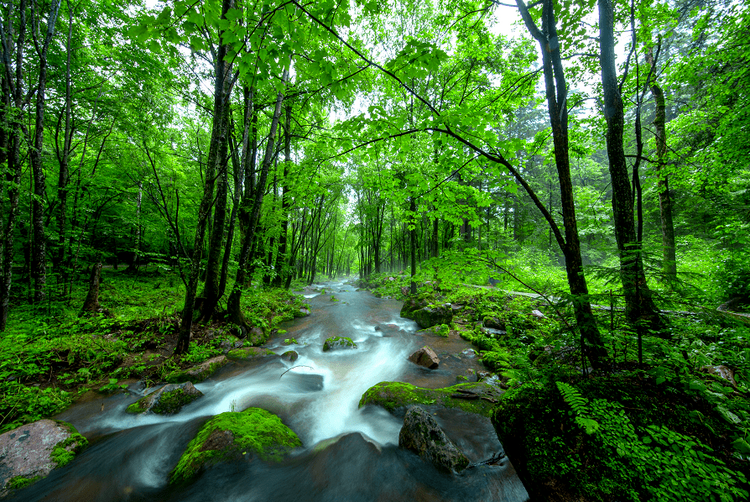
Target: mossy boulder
[249, 353]
[199, 372]
[290, 355]
[235, 436]
[396, 397]
[32, 451]
[414, 303]
[433, 314]
[338, 342]
[166, 400]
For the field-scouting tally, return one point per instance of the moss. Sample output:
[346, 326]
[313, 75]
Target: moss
[66, 450]
[254, 431]
[193, 374]
[137, 407]
[18, 482]
[249, 353]
[170, 402]
[395, 395]
[338, 342]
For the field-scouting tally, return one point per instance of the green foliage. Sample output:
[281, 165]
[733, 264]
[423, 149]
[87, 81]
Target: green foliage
[672, 466]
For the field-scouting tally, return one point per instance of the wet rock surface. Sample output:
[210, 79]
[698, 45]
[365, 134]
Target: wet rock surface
[425, 357]
[431, 316]
[166, 400]
[422, 435]
[32, 451]
[199, 372]
[338, 343]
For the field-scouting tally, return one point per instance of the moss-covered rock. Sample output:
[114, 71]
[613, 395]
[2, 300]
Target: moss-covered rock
[30, 452]
[474, 397]
[166, 400]
[414, 303]
[338, 342]
[236, 435]
[432, 315]
[249, 353]
[290, 355]
[199, 372]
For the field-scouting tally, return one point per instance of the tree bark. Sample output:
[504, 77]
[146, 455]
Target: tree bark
[91, 303]
[639, 305]
[39, 243]
[282, 265]
[204, 210]
[556, 93]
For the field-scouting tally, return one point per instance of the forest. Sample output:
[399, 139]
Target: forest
[171, 169]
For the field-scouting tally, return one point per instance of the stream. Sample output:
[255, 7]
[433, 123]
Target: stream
[349, 454]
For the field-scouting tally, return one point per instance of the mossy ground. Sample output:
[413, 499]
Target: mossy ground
[254, 431]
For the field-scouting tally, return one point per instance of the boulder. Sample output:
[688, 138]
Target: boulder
[290, 355]
[30, 452]
[338, 342]
[199, 372]
[538, 314]
[422, 435]
[425, 357]
[721, 371]
[430, 316]
[166, 400]
[412, 304]
[236, 436]
[494, 322]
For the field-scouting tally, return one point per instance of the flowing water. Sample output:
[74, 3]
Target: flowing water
[349, 454]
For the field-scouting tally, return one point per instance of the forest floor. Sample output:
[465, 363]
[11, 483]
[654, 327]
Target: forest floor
[675, 426]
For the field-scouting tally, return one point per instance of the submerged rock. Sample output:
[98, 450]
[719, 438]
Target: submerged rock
[199, 372]
[166, 400]
[30, 452]
[422, 435]
[233, 436]
[425, 357]
[338, 342]
[430, 316]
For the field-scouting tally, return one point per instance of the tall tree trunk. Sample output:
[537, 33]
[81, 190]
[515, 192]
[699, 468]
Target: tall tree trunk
[282, 265]
[249, 217]
[556, 92]
[204, 210]
[639, 305]
[39, 246]
[669, 260]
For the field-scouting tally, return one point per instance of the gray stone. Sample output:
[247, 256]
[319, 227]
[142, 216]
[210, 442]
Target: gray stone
[422, 435]
[32, 451]
[430, 316]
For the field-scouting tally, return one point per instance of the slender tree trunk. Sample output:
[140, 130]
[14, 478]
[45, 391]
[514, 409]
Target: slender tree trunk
[639, 305]
[281, 256]
[669, 260]
[556, 92]
[204, 210]
[39, 246]
[250, 214]
[64, 161]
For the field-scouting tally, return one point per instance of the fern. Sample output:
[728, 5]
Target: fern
[672, 466]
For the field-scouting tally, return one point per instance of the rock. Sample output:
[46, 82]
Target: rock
[494, 323]
[430, 316]
[405, 291]
[422, 435]
[234, 436]
[722, 372]
[290, 355]
[30, 452]
[412, 304]
[538, 313]
[256, 336]
[249, 353]
[338, 342]
[198, 373]
[425, 357]
[303, 312]
[396, 397]
[166, 400]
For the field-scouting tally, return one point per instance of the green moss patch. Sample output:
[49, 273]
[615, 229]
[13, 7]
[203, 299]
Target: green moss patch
[249, 353]
[199, 372]
[234, 435]
[338, 342]
[476, 397]
[18, 482]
